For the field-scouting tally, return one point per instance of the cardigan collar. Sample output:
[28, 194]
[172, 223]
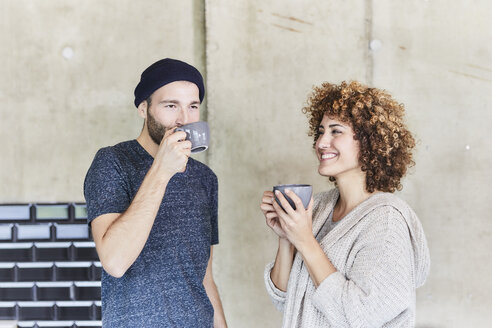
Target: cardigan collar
[326, 202]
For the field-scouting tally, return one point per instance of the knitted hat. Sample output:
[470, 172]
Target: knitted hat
[163, 72]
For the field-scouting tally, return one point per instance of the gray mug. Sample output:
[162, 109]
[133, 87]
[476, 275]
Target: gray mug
[304, 192]
[198, 133]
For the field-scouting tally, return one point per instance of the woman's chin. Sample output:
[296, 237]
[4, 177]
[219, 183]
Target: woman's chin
[323, 171]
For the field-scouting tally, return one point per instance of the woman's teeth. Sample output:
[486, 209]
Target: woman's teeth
[328, 156]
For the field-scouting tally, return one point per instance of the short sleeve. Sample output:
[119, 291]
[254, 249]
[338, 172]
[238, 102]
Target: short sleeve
[214, 202]
[105, 189]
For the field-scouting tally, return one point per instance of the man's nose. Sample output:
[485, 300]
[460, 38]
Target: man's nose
[182, 117]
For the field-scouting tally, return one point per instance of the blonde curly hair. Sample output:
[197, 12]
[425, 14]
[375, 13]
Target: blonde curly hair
[377, 121]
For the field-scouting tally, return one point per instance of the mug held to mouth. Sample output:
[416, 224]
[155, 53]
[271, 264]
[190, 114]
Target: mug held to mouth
[198, 133]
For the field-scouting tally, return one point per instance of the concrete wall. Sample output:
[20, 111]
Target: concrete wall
[57, 111]
[438, 61]
[261, 60]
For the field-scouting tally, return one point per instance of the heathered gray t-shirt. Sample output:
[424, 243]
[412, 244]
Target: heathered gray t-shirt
[164, 286]
[326, 228]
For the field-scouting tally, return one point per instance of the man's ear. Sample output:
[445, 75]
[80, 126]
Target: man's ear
[142, 109]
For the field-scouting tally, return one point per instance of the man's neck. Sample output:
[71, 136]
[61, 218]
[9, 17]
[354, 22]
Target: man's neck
[147, 143]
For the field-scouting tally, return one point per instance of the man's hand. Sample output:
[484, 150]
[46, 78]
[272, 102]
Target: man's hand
[174, 150]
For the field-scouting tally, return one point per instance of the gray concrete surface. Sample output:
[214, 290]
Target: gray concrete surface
[261, 59]
[57, 111]
[436, 56]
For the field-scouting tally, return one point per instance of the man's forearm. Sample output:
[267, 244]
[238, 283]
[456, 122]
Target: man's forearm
[213, 295]
[125, 238]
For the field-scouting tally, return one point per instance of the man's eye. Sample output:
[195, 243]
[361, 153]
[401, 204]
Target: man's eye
[335, 131]
[320, 132]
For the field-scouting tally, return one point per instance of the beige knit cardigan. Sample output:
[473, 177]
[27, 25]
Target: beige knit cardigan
[381, 256]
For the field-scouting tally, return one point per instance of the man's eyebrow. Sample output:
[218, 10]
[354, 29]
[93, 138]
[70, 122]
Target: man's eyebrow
[335, 125]
[171, 101]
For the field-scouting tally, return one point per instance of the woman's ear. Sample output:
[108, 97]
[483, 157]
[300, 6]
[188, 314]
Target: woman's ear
[142, 109]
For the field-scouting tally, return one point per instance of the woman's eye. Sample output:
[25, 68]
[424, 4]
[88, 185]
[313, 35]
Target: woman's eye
[320, 132]
[335, 131]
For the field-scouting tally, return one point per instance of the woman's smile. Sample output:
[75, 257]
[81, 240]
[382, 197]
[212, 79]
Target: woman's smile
[326, 156]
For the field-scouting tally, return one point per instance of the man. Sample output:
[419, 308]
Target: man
[153, 212]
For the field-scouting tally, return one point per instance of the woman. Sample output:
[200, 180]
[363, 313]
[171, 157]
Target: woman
[356, 255]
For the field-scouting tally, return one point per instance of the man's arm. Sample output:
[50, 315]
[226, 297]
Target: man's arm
[120, 237]
[213, 295]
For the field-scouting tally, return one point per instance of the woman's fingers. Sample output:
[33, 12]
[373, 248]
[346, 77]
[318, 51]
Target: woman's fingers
[282, 223]
[267, 203]
[277, 207]
[266, 200]
[310, 207]
[267, 197]
[297, 201]
[266, 207]
[285, 204]
[285, 218]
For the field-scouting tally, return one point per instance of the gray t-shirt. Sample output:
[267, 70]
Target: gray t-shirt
[164, 286]
[327, 227]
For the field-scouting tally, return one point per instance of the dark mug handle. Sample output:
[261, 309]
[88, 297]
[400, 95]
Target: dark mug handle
[188, 137]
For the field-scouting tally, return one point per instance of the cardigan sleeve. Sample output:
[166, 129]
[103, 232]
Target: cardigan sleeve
[278, 297]
[379, 284]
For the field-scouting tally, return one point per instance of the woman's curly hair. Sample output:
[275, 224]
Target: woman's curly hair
[377, 120]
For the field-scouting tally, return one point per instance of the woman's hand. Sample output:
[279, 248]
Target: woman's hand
[271, 215]
[296, 224]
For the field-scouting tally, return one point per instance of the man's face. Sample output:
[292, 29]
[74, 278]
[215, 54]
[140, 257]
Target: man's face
[174, 104]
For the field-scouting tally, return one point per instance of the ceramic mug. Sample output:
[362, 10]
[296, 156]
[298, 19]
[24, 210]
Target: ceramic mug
[198, 133]
[304, 192]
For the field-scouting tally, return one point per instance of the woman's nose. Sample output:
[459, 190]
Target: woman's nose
[324, 142]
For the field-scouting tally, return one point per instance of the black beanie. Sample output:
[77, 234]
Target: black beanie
[163, 72]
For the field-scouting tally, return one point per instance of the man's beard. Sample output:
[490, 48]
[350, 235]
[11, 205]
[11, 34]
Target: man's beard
[156, 130]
